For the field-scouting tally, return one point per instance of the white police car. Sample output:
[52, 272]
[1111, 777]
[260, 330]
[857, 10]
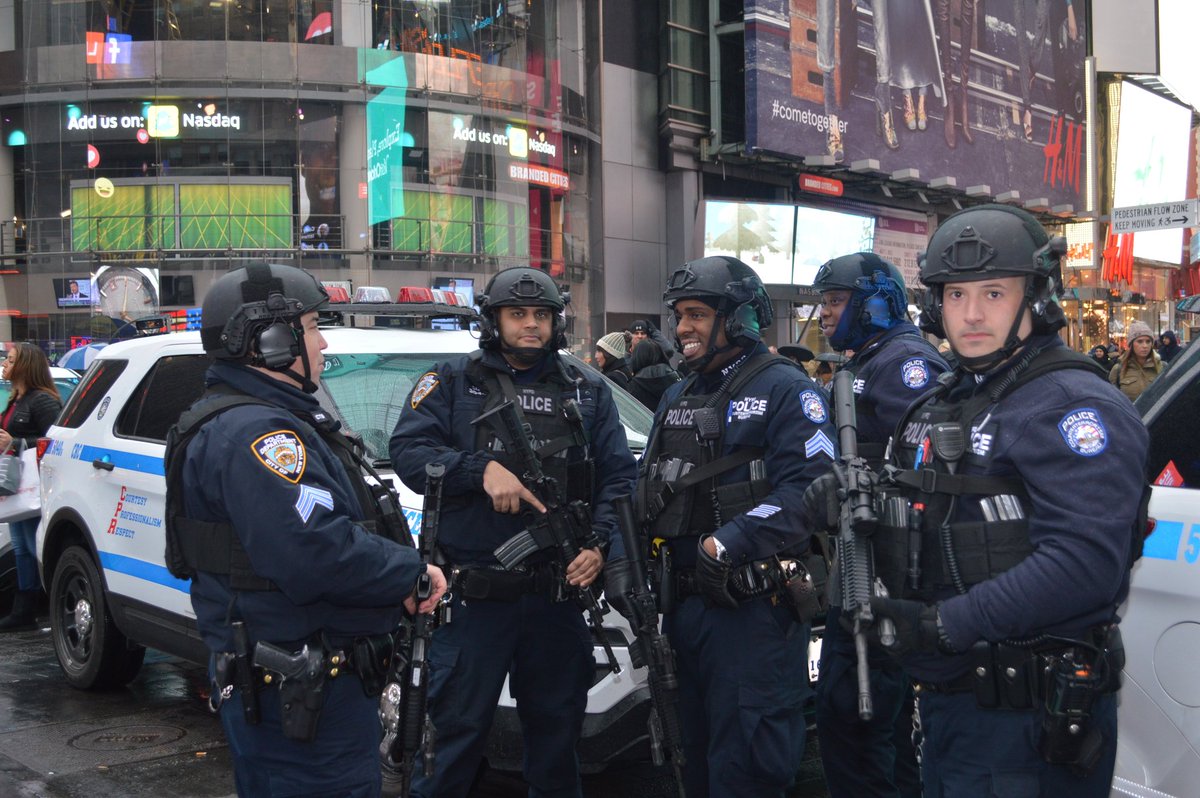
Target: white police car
[101, 540]
[1158, 743]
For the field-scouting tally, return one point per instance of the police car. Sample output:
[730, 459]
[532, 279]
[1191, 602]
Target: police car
[101, 543]
[1158, 748]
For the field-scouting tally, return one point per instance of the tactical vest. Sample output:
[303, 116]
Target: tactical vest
[872, 451]
[213, 546]
[553, 431]
[921, 548]
[678, 493]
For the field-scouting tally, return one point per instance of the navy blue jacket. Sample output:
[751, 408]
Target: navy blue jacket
[1080, 448]
[292, 505]
[891, 372]
[435, 427]
[800, 443]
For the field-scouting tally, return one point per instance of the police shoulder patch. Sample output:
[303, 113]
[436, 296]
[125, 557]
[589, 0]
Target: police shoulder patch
[282, 452]
[1084, 431]
[914, 373]
[813, 406]
[424, 387]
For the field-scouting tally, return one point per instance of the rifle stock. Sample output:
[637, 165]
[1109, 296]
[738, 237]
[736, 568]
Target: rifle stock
[856, 519]
[651, 649]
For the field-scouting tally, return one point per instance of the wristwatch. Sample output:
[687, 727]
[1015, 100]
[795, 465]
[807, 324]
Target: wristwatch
[722, 552]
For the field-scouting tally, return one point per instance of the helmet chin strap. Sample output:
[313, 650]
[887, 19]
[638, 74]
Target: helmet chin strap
[525, 355]
[985, 363]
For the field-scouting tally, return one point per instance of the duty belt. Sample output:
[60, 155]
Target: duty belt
[494, 583]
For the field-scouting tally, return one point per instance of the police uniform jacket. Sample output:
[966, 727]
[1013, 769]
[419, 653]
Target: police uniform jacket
[783, 412]
[291, 503]
[890, 373]
[1079, 448]
[435, 427]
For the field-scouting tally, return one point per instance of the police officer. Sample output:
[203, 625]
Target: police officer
[270, 517]
[1023, 476]
[516, 623]
[864, 308]
[732, 449]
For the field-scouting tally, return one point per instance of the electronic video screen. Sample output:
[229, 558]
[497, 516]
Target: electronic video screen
[74, 292]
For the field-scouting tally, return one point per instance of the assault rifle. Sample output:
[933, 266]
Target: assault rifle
[856, 522]
[402, 707]
[652, 650]
[564, 527]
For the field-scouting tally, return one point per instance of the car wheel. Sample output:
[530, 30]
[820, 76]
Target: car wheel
[92, 652]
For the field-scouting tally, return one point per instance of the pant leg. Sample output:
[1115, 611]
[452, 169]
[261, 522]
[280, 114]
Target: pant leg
[751, 668]
[827, 20]
[24, 543]
[987, 752]
[883, 56]
[468, 660]
[342, 760]
[551, 674]
[682, 627]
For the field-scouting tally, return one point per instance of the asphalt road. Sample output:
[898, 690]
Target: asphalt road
[156, 737]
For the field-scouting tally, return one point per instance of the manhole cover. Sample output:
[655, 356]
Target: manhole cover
[126, 738]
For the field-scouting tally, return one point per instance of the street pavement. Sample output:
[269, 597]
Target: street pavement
[156, 737]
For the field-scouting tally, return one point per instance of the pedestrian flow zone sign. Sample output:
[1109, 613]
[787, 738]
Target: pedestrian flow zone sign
[1156, 216]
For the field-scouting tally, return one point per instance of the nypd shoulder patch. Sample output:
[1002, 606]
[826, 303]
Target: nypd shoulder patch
[1084, 431]
[282, 453]
[914, 373]
[423, 388]
[308, 500]
[813, 406]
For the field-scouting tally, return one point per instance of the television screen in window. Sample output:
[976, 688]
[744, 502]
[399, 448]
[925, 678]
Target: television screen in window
[73, 292]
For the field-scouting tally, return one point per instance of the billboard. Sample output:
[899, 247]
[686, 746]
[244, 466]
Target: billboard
[991, 99]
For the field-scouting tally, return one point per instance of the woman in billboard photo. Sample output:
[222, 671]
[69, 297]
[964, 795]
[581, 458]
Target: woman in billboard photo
[915, 67]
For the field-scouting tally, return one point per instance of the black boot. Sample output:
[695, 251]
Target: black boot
[21, 618]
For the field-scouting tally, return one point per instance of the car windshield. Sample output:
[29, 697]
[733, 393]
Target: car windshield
[65, 386]
[369, 391]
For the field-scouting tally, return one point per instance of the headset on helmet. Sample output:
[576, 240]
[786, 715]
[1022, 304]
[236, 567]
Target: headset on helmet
[732, 288]
[521, 286]
[994, 241]
[878, 300]
[252, 315]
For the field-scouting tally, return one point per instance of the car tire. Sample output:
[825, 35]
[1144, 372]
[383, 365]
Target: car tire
[92, 652]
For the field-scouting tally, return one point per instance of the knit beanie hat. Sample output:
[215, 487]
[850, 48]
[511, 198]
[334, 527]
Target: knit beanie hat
[613, 344]
[1137, 329]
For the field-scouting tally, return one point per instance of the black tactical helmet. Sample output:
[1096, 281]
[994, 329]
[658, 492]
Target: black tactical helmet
[878, 300]
[732, 288]
[244, 303]
[520, 286]
[994, 241]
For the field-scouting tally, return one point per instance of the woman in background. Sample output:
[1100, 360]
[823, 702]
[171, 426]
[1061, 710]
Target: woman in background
[1139, 364]
[32, 407]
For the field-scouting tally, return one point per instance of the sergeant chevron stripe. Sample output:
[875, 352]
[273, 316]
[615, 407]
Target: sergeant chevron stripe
[819, 443]
[308, 500]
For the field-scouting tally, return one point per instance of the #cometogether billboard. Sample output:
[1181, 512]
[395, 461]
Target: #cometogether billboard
[987, 93]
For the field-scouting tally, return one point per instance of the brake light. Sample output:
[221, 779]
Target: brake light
[42, 445]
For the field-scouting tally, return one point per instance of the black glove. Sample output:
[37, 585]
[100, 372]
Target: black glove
[712, 577]
[821, 504]
[618, 587]
[917, 627]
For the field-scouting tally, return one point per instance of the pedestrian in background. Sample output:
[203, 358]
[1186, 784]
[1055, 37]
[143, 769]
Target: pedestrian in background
[1139, 364]
[1168, 346]
[1099, 353]
[652, 374]
[611, 350]
[33, 405]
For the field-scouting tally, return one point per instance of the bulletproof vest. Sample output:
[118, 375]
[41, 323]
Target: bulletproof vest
[864, 406]
[678, 494]
[558, 441]
[213, 546]
[927, 449]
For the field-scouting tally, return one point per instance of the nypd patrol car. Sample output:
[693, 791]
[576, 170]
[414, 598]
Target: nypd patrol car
[1158, 744]
[101, 540]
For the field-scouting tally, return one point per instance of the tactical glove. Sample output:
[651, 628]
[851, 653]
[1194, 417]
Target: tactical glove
[917, 626]
[712, 577]
[618, 588]
[821, 504]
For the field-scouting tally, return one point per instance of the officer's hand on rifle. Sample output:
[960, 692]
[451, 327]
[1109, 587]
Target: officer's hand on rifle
[918, 626]
[618, 587]
[437, 584]
[584, 569]
[506, 490]
[821, 503]
[712, 575]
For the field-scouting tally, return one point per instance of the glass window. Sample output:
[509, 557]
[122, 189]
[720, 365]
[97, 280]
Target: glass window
[99, 378]
[169, 389]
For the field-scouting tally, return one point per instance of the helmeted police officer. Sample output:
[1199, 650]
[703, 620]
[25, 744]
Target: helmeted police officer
[865, 309]
[732, 449]
[1023, 476]
[513, 623]
[270, 517]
